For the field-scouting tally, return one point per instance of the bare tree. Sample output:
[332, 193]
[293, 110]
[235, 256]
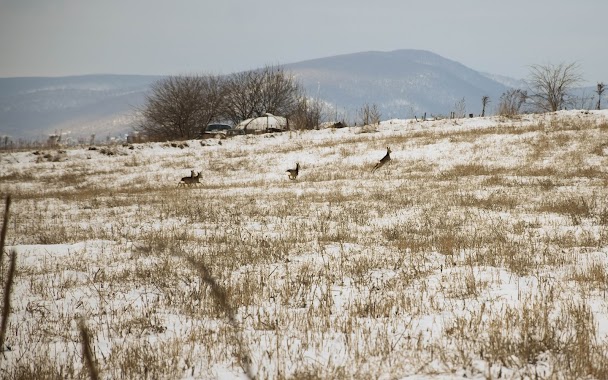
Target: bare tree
[550, 85]
[599, 91]
[369, 114]
[308, 114]
[180, 107]
[582, 101]
[241, 91]
[484, 102]
[280, 91]
[460, 108]
[511, 102]
[257, 92]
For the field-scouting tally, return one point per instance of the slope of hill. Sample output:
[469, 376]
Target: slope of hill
[403, 83]
[33, 107]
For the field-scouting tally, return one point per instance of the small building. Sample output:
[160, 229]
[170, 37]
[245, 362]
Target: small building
[262, 124]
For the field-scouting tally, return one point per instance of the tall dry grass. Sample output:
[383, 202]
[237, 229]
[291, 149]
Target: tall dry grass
[477, 252]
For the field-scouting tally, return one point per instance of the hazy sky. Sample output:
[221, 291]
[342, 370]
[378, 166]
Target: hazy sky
[72, 37]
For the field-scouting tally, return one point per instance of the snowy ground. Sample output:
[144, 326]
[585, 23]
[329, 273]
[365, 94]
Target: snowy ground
[479, 251]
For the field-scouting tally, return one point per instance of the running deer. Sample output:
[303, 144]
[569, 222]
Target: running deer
[293, 173]
[384, 160]
[192, 180]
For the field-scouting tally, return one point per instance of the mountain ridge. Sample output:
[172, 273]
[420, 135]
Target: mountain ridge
[402, 83]
[420, 81]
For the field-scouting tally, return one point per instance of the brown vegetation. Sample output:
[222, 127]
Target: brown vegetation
[483, 255]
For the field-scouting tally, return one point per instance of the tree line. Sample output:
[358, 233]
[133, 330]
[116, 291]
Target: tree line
[550, 90]
[180, 107]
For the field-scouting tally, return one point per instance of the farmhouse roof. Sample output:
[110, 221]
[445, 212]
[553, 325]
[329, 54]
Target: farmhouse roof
[268, 121]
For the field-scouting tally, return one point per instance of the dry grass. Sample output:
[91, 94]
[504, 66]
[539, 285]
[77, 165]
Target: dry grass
[477, 253]
[86, 351]
[8, 281]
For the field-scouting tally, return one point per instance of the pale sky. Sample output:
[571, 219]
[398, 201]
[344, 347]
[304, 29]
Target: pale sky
[74, 37]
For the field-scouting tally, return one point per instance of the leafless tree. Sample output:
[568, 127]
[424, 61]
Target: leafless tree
[308, 114]
[241, 91]
[369, 114]
[599, 91]
[280, 92]
[582, 101]
[511, 102]
[179, 107]
[460, 108]
[257, 92]
[550, 85]
[484, 102]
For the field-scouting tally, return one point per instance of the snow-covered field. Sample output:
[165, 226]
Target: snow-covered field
[479, 251]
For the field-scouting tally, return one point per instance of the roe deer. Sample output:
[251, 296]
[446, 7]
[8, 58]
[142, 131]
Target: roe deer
[293, 173]
[192, 180]
[182, 182]
[383, 160]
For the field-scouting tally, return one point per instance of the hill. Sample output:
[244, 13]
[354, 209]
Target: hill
[33, 107]
[401, 83]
